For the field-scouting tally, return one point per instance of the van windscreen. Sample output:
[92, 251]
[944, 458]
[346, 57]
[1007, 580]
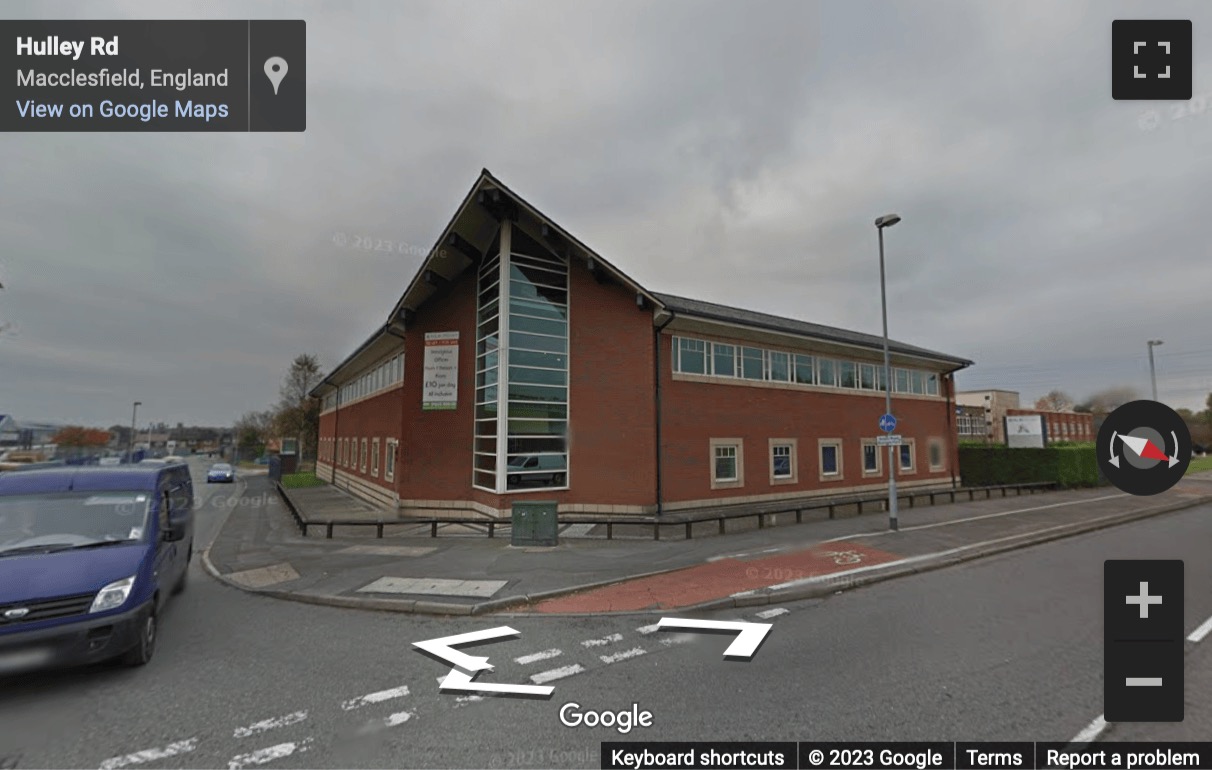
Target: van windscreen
[72, 518]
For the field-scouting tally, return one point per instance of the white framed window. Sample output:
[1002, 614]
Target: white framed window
[692, 356]
[919, 382]
[374, 458]
[778, 366]
[389, 462]
[723, 360]
[936, 449]
[867, 376]
[727, 463]
[829, 452]
[931, 384]
[873, 455]
[783, 461]
[364, 458]
[907, 456]
[805, 370]
[826, 372]
[902, 380]
[847, 374]
[753, 363]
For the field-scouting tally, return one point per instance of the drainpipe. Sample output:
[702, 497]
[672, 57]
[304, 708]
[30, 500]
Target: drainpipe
[395, 482]
[951, 425]
[656, 362]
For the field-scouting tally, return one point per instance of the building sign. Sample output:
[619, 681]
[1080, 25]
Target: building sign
[441, 371]
[1025, 430]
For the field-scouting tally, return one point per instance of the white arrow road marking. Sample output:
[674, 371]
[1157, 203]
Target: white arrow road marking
[749, 635]
[150, 755]
[443, 648]
[374, 697]
[261, 756]
[603, 641]
[645, 630]
[556, 673]
[459, 680]
[270, 724]
[534, 657]
[615, 658]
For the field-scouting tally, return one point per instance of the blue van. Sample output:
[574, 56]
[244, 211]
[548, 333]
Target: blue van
[88, 557]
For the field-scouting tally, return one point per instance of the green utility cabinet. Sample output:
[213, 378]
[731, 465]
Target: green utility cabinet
[535, 522]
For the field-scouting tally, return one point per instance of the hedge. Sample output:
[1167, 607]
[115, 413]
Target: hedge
[1069, 466]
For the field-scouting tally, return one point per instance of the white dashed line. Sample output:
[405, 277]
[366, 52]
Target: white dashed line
[261, 756]
[1092, 731]
[537, 656]
[603, 641]
[270, 724]
[1198, 634]
[469, 699]
[386, 722]
[632, 653]
[774, 613]
[150, 755]
[374, 697]
[676, 639]
[556, 673]
[645, 630]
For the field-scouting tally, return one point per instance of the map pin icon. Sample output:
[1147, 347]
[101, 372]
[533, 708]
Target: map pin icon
[275, 70]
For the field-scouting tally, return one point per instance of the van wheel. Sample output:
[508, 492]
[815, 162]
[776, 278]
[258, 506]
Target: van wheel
[143, 650]
[557, 479]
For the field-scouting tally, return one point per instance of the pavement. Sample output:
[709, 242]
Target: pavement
[462, 572]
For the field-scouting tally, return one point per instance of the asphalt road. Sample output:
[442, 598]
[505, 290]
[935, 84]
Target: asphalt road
[1007, 648]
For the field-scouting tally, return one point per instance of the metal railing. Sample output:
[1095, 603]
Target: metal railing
[721, 515]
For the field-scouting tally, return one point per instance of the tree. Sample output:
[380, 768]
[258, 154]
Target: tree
[298, 414]
[1055, 401]
[252, 431]
[1108, 400]
[74, 440]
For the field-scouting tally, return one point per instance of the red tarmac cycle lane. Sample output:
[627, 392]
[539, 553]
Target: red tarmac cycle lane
[718, 579]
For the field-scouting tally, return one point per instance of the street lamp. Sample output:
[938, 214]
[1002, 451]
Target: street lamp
[1152, 371]
[888, 220]
[130, 444]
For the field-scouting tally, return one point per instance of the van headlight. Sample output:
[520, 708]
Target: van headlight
[113, 595]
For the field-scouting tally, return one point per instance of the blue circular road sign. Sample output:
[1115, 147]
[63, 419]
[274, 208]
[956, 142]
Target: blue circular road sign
[887, 423]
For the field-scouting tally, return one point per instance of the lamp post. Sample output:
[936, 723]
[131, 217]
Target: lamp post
[1152, 370]
[888, 220]
[130, 444]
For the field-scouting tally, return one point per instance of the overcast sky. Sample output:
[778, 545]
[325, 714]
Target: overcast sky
[733, 152]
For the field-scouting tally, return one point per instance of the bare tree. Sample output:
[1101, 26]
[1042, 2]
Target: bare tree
[298, 414]
[1055, 401]
[1109, 400]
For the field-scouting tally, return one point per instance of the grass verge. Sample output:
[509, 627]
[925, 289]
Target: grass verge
[300, 480]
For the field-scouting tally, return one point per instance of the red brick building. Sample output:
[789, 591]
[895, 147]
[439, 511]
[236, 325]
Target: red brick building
[1062, 426]
[519, 364]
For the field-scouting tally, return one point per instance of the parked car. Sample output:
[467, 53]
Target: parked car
[221, 473]
[88, 558]
[538, 469]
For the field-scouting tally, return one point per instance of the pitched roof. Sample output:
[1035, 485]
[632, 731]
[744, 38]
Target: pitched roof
[755, 319]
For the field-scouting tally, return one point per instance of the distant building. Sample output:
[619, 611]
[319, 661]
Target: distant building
[10, 431]
[1062, 426]
[970, 423]
[995, 403]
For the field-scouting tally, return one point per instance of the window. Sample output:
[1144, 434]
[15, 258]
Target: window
[867, 376]
[374, 458]
[919, 383]
[936, 455]
[831, 459]
[848, 374]
[723, 360]
[780, 366]
[826, 370]
[805, 370]
[345, 451]
[362, 467]
[753, 364]
[881, 379]
[902, 380]
[906, 456]
[932, 384]
[692, 356]
[871, 457]
[727, 463]
[389, 461]
[783, 461]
